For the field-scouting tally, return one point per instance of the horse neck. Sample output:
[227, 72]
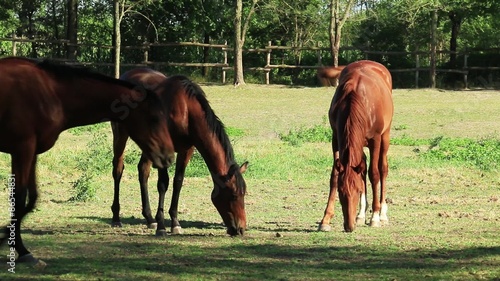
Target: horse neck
[93, 101]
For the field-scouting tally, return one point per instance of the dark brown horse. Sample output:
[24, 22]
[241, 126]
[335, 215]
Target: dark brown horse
[39, 100]
[360, 115]
[192, 123]
[328, 75]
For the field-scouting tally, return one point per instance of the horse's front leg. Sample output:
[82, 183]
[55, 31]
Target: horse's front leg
[324, 225]
[162, 189]
[120, 137]
[143, 169]
[363, 202]
[180, 169]
[21, 185]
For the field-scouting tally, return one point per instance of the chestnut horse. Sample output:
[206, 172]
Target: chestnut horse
[39, 100]
[192, 123]
[360, 115]
[329, 74]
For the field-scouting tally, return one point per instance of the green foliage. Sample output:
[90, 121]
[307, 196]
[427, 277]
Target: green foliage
[234, 132]
[317, 133]
[78, 131]
[408, 141]
[483, 154]
[197, 166]
[95, 161]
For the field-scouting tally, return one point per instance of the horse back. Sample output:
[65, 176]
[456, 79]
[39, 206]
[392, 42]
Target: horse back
[145, 77]
[370, 84]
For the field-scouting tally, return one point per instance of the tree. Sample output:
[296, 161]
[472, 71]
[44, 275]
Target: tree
[120, 9]
[240, 30]
[339, 13]
[72, 29]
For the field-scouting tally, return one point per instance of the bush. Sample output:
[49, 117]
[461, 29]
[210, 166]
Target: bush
[95, 161]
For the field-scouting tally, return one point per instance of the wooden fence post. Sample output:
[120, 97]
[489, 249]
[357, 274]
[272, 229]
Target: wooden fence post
[224, 51]
[417, 65]
[146, 52]
[14, 46]
[268, 63]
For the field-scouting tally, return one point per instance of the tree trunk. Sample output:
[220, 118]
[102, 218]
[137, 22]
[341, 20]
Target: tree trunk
[456, 22]
[116, 37]
[335, 29]
[206, 55]
[332, 31]
[72, 29]
[432, 72]
[238, 45]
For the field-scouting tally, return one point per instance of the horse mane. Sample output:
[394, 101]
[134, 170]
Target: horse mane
[193, 90]
[69, 72]
[354, 133]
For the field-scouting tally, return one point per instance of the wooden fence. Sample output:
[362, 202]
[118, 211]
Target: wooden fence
[225, 49]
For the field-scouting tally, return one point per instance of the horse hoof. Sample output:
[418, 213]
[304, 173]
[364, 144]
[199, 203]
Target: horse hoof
[161, 233]
[116, 224]
[177, 230]
[28, 258]
[324, 227]
[375, 223]
[32, 261]
[152, 225]
[40, 265]
[384, 222]
[360, 221]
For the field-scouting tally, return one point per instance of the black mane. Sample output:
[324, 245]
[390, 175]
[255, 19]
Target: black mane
[65, 71]
[213, 121]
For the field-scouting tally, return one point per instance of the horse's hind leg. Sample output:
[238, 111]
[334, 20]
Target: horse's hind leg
[384, 170]
[180, 168]
[374, 175]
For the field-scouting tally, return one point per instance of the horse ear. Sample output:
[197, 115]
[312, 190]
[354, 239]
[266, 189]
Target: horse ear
[243, 167]
[232, 171]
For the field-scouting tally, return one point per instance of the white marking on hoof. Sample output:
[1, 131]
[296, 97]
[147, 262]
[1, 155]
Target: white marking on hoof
[32, 261]
[152, 225]
[324, 227]
[116, 224]
[161, 233]
[375, 221]
[176, 230]
[40, 265]
[383, 214]
[360, 221]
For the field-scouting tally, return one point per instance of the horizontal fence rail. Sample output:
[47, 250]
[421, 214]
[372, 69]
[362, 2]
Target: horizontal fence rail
[226, 50]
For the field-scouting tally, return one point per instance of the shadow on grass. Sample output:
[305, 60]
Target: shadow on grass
[141, 221]
[268, 261]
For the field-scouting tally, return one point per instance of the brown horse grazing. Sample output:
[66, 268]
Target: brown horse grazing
[192, 123]
[39, 100]
[360, 115]
[328, 75]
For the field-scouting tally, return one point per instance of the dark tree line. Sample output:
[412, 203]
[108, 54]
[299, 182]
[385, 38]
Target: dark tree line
[382, 25]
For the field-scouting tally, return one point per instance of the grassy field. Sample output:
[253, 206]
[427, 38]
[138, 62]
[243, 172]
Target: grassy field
[444, 212]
